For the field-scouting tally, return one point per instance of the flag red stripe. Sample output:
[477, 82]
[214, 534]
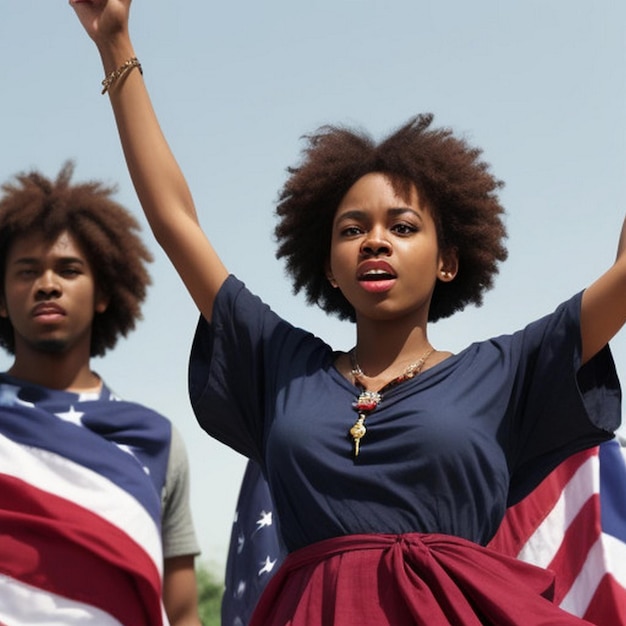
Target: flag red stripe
[559, 526]
[86, 558]
[608, 605]
[524, 518]
[582, 533]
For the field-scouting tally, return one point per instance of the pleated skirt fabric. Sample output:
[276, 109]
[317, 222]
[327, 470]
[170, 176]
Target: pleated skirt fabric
[410, 579]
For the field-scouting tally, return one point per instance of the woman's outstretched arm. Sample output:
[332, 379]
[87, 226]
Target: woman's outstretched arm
[158, 180]
[604, 305]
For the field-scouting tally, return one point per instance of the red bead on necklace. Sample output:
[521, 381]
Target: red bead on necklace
[367, 400]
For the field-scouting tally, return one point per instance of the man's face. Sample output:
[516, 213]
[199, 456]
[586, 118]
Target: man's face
[50, 295]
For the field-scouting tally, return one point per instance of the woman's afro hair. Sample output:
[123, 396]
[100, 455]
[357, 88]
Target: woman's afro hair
[106, 231]
[458, 188]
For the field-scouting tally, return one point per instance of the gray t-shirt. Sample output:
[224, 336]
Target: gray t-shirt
[177, 530]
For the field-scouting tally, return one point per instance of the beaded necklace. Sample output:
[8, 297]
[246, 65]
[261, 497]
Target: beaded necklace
[368, 400]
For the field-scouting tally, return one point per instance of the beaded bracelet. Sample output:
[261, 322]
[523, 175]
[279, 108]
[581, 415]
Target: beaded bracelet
[119, 72]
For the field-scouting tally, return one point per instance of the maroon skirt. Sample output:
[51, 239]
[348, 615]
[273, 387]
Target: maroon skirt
[421, 579]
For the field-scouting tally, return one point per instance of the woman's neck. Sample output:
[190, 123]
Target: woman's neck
[385, 346]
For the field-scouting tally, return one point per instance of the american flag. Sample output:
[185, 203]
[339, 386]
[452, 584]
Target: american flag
[573, 523]
[80, 483]
[255, 550]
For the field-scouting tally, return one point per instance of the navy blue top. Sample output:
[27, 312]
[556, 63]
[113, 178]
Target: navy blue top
[444, 452]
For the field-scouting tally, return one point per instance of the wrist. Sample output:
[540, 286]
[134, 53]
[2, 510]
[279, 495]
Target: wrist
[114, 51]
[117, 75]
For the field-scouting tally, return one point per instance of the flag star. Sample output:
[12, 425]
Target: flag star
[241, 589]
[129, 450]
[72, 416]
[268, 566]
[241, 540]
[264, 520]
[9, 396]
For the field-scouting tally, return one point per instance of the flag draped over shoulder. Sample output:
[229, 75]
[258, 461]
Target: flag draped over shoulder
[80, 487]
[574, 523]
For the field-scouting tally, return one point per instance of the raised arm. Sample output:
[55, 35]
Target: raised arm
[158, 180]
[604, 305]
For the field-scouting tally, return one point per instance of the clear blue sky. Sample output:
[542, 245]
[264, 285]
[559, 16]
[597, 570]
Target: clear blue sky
[539, 85]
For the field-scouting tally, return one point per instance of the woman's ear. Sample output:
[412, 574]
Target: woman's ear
[448, 265]
[329, 276]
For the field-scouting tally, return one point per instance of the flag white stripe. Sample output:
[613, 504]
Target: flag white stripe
[584, 586]
[615, 556]
[543, 544]
[63, 478]
[23, 605]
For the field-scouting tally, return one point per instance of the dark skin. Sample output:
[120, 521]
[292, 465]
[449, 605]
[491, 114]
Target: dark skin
[50, 297]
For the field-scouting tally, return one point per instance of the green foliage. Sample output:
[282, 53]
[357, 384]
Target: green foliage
[210, 590]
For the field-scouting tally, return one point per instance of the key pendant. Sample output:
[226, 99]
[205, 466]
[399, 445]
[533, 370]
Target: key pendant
[358, 432]
[365, 403]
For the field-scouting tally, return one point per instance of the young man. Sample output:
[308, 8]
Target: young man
[95, 525]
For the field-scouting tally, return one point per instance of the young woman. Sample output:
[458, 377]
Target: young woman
[390, 465]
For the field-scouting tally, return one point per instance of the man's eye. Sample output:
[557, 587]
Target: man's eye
[26, 273]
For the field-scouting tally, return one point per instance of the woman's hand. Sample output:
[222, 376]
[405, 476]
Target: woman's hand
[103, 20]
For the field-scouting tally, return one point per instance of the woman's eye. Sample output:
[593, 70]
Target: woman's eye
[404, 229]
[351, 231]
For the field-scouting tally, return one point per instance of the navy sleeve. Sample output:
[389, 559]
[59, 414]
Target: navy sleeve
[235, 365]
[561, 407]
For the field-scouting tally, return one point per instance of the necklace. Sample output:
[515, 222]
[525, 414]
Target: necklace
[369, 400]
